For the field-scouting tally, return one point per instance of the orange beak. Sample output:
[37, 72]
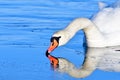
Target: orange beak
[54, 61]
[53, 45]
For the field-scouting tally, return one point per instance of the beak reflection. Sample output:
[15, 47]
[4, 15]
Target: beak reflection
[53, 60]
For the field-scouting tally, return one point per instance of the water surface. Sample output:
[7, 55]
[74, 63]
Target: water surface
[25, 29]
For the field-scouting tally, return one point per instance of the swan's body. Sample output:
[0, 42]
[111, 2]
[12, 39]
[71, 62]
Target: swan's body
[96, 58]
[102, 31]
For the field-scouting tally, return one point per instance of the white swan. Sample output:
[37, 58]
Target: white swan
[96, 58]
[102, 31]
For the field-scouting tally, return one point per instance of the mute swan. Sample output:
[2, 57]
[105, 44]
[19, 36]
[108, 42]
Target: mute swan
[101, 31]
[96, 58]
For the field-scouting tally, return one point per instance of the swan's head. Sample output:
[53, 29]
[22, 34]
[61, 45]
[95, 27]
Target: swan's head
[59, 38]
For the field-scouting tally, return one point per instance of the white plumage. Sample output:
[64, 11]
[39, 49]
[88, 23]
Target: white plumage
[102, 31]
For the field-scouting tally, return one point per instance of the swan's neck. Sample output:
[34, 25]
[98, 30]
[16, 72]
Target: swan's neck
[93, 35]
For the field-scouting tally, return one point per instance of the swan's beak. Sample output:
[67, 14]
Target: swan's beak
[53, 45]
[53, 60]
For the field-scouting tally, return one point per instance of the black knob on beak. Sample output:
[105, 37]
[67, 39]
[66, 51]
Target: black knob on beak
[47, 53]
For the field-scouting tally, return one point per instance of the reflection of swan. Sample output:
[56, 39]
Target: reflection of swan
[101, 58]
[102, 31]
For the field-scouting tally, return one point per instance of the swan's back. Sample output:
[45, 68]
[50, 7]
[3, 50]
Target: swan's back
[108, 20]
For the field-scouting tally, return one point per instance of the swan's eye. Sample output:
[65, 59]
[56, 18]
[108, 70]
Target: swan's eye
[56, 38]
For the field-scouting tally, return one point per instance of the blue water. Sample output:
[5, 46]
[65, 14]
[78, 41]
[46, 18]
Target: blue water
[25, 30]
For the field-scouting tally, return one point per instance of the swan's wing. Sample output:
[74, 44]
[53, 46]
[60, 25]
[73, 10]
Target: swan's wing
[113, 38]
[108, 20]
